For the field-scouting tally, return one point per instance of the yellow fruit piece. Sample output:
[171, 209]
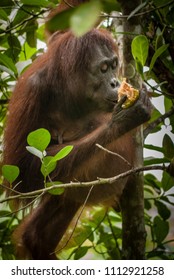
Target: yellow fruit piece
[131, 93]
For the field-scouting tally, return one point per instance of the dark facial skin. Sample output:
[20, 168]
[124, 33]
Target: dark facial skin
[102, 82]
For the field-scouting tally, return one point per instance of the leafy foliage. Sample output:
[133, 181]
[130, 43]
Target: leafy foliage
[21, 41]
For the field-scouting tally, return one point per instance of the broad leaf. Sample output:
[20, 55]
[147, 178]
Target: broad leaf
[85, 17]
[161, 229]
[162, 210]
[7, 61]
[10, 172]
[47, 166]
[140, 48]
[156, 55]
[60, 21]
[57, 190]
[167, 181]
[168, 146]
[62, 153]
[39, 139]
[81, 252]
[3, 15]
[155, 160]
[34, 151]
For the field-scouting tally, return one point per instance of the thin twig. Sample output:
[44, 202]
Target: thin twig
[74, 227]
[159, 120]
[142, 13]
[113, 233]
[89, 234]
[69, 5]
[113, 153]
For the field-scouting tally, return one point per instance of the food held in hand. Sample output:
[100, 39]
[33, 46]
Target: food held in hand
[131, 93]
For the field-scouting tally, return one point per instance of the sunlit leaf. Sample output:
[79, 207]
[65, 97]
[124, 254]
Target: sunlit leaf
[140, 48]
[57, 190]
[10, 172]
[39, 139]
[27, 52]
[62, 153]
[47, 166]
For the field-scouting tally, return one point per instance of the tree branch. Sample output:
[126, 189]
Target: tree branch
[153, 124]
[141, 13]
[99, 181]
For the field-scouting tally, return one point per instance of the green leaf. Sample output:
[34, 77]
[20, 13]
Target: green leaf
[168, 104]
[140, 48]
[39, 139]
[42, 3]
[5, 3]
[147, 204]
[139, 67]
[3, 14]
[151, 180]
[60, 21]
[22, 65]
[168, 146]
[85, 17]
[10, 172]
[170, 168]
[31, 38]
[167, 181]
[21, 16]
[7, 61]
[47, 166]
[154, 148]
[154, 160]
[7, 70]
[81, 252]
[57, 190]
[35, 152]
[162, 210]
[155, 115]
[109, 6]
[161, 229]
[157, 54]
[31, 28]
[27, 52]
[62, 153]
[14, 47]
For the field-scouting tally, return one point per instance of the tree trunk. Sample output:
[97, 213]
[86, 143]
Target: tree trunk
[132, 204]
